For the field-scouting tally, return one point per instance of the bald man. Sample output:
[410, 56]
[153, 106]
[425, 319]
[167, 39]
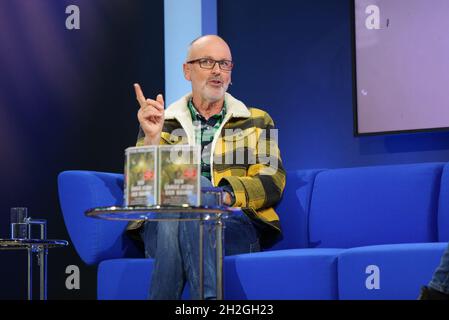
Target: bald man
[239, 153]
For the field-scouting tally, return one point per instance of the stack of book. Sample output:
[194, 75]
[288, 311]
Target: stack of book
[162, 175]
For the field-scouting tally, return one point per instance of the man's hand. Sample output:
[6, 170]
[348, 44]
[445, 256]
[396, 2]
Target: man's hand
[226, 198]
[151, 116]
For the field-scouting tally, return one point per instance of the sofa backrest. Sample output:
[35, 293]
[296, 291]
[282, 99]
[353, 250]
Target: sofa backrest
[293, 209]
[375, 205]
[443, 209]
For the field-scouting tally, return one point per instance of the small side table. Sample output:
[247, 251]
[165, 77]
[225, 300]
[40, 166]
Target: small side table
[174, 213]
[40, 249]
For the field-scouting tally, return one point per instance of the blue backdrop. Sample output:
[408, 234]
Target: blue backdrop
[294, 59]
[67, 102]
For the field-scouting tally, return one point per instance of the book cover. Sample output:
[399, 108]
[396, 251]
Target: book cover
[140, 181]
[179, 175]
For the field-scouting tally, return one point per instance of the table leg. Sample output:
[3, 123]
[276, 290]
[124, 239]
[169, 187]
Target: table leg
[219, 257]
[30, 274]
[201, 262]
[43, 273]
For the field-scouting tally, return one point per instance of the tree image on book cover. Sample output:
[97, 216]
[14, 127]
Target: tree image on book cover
[140, 177]
[179, 170]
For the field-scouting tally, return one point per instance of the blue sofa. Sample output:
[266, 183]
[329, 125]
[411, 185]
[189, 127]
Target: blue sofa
[357, 233]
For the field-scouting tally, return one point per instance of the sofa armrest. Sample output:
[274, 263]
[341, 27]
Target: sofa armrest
[94, 239]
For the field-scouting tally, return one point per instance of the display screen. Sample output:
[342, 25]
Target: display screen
[401, 65]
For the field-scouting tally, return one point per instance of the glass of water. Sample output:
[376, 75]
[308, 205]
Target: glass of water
[211, 196]
[19, 225]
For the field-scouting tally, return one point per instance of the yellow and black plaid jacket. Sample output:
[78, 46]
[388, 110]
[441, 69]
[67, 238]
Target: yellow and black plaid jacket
[244, 154]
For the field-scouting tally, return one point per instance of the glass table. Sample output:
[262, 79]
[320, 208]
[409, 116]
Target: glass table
[212, 214]
[40, 248]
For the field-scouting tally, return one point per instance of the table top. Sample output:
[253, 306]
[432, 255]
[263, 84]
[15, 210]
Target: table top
[159, 213]
[11, 244]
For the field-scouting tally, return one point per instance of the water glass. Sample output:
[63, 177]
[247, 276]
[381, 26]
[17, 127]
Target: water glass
[211, 197]
[19, 225]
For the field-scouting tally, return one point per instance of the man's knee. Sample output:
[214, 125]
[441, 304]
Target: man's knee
[167, 228]
[167, 236]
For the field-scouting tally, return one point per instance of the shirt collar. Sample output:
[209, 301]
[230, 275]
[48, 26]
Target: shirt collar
[197, 116]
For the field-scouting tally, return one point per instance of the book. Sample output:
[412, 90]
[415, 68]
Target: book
[179, 175]
[140, 181]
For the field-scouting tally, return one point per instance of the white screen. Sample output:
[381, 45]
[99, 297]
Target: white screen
[402, 65]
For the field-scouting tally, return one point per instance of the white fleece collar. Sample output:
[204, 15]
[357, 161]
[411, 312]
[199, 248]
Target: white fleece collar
[178, 110]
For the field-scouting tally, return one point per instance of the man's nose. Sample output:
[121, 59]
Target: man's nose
[216, 69]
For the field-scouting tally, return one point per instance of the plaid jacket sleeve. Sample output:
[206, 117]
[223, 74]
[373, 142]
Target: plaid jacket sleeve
[264, 182]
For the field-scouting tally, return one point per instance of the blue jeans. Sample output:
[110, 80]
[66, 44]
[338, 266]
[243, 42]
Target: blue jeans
[440, 279]
[175, 247]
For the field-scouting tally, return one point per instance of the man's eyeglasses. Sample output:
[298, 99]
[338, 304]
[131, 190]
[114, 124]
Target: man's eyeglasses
[207, 63]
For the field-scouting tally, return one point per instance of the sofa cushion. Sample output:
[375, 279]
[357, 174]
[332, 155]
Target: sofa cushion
[124, 279]
[375, 205]
[387, 271]
[284, 274]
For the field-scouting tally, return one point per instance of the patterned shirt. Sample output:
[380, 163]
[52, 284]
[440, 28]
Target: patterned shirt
[204, 134]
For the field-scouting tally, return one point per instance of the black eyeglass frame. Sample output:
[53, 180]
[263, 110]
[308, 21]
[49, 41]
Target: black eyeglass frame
[200, 60]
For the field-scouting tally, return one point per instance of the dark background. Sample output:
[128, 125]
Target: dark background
[67, 102]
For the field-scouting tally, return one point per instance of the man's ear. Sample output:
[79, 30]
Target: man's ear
[186, 69]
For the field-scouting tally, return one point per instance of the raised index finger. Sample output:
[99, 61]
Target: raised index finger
[139, 94]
